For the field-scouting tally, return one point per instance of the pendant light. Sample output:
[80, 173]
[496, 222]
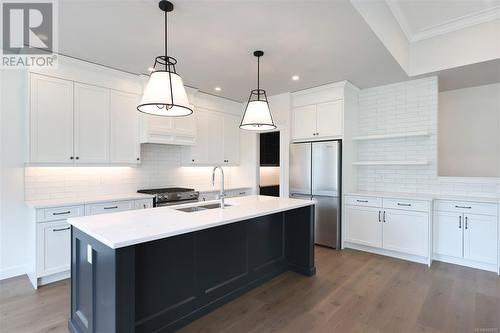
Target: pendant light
[257, 116]
[165, 94]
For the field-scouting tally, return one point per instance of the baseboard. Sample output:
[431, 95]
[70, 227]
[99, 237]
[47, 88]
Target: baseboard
[53, 278]
[388, 253]
[12, 271]
[465, 262]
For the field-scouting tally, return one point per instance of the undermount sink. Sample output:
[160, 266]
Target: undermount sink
[200, 208]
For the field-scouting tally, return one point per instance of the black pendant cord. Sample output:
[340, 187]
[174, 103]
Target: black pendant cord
[166, 36]
[258, 78]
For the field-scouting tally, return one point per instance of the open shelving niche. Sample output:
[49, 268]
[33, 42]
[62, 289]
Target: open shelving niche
[391, 136]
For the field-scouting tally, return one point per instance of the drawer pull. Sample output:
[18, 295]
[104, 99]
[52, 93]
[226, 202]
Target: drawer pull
[112, 207]
[466, 224]
[464, 207]
[460, 222]
[384, 217]
[241, 193]
[61, 229]
[404, 205]
[379, 212]
[364, 201]
[62, 213]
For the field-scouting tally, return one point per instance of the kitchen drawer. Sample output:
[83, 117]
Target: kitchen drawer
[415, 205]
[58, 213]
[109, 207]
[467, 207]
[240, 192]
[143, 203]
[363, 201]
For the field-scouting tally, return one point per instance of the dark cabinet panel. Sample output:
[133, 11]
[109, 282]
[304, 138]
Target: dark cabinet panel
[270, 149]
[222, 258]
[265, 243]
[273, 190]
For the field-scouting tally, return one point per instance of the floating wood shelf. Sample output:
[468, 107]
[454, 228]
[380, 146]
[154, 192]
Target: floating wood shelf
[391, 163]
[391, 136]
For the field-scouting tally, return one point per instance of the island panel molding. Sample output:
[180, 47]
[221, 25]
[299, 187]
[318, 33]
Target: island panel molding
[163, 285]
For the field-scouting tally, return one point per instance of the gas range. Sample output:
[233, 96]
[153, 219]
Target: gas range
[172, 195]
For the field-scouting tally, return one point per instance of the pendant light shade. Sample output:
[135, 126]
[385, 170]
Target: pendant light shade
[257, 116]
[165, 94]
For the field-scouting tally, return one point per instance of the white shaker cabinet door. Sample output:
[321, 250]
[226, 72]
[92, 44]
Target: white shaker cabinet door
[329, 119]
[480, 238]
[199, 153]
[448, 234]
[231, 139]
[53, 247]
[125, 147]
[304, 122]
[364, 226]
[406, 231]
[92, 113]
[51, 120]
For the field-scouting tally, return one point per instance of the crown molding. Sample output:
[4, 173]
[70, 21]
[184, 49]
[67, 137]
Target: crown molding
[455, 24]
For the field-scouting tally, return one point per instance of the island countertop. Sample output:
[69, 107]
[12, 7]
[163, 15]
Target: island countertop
[128, 228]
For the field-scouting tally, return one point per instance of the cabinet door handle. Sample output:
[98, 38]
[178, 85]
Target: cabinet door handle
[463, 207]
[112, 207]
[60, 229]
[364, 201]
[379, 212]
[384, 216]
[77, 158]
[466, 222]
[71, 157]
[460, 222]
[241, 193]
[62, 213]
[404, 205]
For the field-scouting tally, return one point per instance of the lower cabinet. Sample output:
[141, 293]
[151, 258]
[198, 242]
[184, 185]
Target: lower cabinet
[364, 225]
[51, 236]
[398, 232]
[52, 239]
[464, 238]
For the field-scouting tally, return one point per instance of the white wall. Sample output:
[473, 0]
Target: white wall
[407, 106]
[469, 132]
[13, 144]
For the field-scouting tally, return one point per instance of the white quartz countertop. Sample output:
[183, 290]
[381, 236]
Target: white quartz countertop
[427, 197]
[138, 226]
[86, 200]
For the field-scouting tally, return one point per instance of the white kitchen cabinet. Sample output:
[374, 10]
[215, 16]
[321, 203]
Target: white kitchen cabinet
[109, 207]
[329, 119]
[217, 140]
[77, 123]
[53, 247]
[231, 139]
[124, 136]
[304, 122]
[448, 234]
[402, 230]
[323, 120]
[480, 238]
[464, 238]
[364, 225]
[143, 203]
[406, 231]
[51, 120]
[91, 124]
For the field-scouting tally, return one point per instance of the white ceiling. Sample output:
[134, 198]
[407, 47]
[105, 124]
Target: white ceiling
[321, 41]
[424, 18]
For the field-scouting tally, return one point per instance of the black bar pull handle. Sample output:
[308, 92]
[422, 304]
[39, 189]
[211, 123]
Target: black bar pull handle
[404, 205]
[364, 201]
[60, 229]
[464, 207]
[61, 213]
[112, 207]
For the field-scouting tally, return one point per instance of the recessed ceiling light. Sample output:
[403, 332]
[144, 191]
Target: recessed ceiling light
[295, 77]
[217, 88]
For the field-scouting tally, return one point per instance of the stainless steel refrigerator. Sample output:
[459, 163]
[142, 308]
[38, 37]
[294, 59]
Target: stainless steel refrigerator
[315, 173]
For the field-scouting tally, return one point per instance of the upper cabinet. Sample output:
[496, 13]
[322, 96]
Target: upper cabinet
[76, 123]
[218, 139]
[124, 130]
[322, 120]
[51, 120]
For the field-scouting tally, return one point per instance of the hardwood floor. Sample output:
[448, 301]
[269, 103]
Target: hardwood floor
[352, 292]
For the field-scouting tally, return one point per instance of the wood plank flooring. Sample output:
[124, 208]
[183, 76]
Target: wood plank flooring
[352, 292]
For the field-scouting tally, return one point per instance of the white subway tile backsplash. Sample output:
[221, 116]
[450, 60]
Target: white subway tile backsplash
[160, 167]
[409, 106]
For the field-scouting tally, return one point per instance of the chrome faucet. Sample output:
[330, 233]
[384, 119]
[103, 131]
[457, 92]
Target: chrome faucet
[222, 194]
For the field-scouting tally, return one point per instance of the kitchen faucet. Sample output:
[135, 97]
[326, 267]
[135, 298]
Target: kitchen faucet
[222, 194]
